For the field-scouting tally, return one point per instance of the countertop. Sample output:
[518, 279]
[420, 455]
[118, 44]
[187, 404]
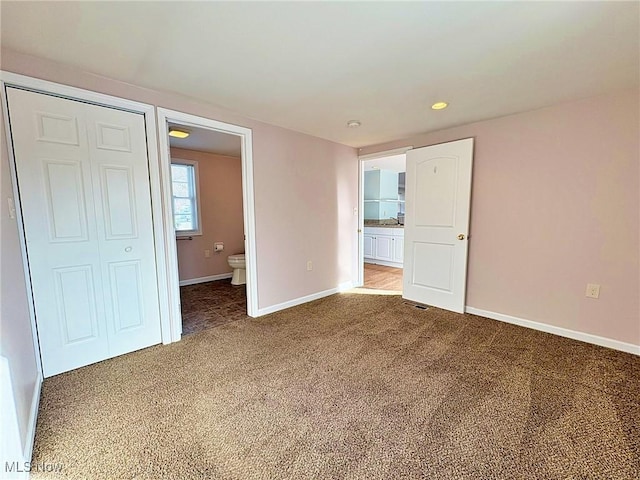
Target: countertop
[377, 225]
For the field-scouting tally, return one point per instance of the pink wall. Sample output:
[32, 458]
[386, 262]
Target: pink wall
[220, 192]
[289, 230]
[555, 206]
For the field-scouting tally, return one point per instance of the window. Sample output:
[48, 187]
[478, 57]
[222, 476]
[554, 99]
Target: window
[186, 206]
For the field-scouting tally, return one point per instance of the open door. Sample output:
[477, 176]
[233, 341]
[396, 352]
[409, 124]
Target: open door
[438, 194]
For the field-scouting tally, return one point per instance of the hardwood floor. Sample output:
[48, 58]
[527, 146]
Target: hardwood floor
[380, 277]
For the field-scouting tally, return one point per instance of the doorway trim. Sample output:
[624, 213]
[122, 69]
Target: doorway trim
[9, 79]
[361, 159]
[248, 206]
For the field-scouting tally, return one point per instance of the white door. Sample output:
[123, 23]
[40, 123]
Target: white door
[84, 189]
[437, 201]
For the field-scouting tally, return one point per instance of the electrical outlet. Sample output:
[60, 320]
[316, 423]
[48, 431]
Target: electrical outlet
[593, 290]
[309, 266]
[207, 253]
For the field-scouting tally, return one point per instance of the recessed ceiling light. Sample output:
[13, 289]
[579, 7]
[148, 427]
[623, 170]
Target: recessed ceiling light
[353, 124]
[174, 132]
[439, 105]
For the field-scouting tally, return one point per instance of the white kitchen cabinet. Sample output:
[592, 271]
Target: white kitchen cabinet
[369, 247]
[398, 249]
[384, 246]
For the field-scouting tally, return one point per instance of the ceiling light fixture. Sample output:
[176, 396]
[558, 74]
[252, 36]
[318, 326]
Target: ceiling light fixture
[174, 132]
[353, 124]
[439, 105]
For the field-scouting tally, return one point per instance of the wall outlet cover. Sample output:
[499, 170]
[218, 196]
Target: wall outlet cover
[593, 290]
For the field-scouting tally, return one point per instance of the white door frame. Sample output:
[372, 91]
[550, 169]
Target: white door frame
[73, 93]
[248, 206]
[362, 158]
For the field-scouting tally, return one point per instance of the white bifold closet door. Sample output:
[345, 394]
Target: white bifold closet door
[83, 178]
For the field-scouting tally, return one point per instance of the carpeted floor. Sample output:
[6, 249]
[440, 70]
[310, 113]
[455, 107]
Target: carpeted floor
[349, 387]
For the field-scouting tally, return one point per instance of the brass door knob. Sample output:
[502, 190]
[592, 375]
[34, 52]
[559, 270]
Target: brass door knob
[461, 236]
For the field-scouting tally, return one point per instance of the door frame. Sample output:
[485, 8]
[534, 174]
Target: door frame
[248, 207]
[361, 159]
[9, 79]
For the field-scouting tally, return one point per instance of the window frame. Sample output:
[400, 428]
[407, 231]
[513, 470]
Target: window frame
[196, 196]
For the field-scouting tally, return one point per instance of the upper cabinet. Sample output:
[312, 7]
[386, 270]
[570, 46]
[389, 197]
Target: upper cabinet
[380, 185]
[381, 195]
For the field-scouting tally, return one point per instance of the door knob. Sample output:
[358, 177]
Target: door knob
[128, 249]
[461, 236]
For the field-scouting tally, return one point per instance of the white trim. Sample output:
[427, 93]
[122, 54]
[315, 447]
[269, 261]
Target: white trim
[73, 93]
[563, 332]
[164, 116]
[386, 153]
[21, 234]
[33, 418]
[305, 299]
[210, 278]
[375, 261]
[359, 281]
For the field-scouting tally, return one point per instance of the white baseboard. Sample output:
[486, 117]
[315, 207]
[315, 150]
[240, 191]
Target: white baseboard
[210, 278]
[563, 332]
[33, 419]
[15, 449]
[383, 262]
[308, 298]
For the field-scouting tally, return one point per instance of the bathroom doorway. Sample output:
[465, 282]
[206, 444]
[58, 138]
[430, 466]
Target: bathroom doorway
[382, 207]
[209, 221]
[206, 184]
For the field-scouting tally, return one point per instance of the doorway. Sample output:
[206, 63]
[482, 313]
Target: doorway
[191, 244]
[382, 207]
[206, 181]
[436, 231]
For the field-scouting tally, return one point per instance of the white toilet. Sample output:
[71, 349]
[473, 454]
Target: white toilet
[239, 269]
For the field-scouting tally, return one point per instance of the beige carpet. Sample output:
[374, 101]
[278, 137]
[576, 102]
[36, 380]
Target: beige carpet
[349, 387]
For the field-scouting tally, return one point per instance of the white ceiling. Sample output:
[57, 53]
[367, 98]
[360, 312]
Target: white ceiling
[312, 66]
[210, 141]
[395, 163]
